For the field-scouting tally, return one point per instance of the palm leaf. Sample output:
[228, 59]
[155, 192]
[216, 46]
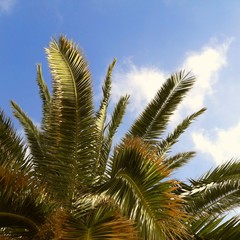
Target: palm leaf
[154, 119]
[31, 132]
[111, 130]
[228, 170]
[12, 148]
[98, 221]
[44, 92]
[171, 139]
[137, 186]
[178, 160]
[69, 131]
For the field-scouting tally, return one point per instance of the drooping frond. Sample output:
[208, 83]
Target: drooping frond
[217, 229]
[166, 144]
[210, 198]
[92, 219]
[154, 119]
[217, 191]
[226, 171]
[22, 204]
[214, 198]
[137, 185]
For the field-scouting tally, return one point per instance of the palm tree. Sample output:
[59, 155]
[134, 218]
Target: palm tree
[209, 200]
[68, 181]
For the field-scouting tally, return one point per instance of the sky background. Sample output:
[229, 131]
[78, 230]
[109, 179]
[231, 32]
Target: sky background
[150, 39]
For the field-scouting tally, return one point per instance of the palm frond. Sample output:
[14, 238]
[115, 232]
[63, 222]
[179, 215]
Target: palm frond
[228, 170]
[137, 185]
[172, 138]
[100, 221]
[106, 90]
[44, 92]
[12, 149]
[216, 228]
[69, 131]
[24, 204]
[214, 198]
[178, 160]
[154, 119]
[32, 133]
[101, 114]
[111, 130]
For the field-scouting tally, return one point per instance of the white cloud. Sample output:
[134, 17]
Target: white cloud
[221, 144]
[205, 65]
[7, 5]
[143, 82]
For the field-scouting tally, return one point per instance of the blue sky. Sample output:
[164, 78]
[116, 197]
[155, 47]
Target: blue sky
[151, 39]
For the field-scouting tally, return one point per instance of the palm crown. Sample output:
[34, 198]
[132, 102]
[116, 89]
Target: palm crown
[69, 182]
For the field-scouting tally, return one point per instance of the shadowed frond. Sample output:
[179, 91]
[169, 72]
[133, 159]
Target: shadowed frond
[12, 148]
[100, 221]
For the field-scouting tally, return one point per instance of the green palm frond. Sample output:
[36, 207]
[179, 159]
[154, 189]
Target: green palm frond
[228, 170]
[154, 119]
[178, 160]
[12, 149]
[106, 90]
[98, 221]
[217, 191]
[137, 185]
[216, 228]
[111, 130]
[215, 198]
[70, 132]
[229, 229]
[210, 198]
[32, 133]
[166, 144]
[44, 92]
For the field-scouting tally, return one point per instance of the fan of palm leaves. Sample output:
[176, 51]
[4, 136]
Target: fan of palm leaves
[66, 180]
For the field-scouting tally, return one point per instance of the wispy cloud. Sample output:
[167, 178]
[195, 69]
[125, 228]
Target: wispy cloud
[7, 5]
[140, 82]
[206, 65]
[143, 82]
[220, 144]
